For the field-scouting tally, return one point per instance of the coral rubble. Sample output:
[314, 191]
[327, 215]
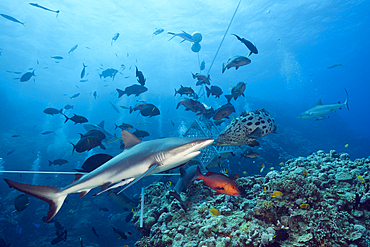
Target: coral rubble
[325, 202]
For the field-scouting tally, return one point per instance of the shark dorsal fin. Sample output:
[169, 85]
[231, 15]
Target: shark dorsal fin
[129, 139]
[319, 102]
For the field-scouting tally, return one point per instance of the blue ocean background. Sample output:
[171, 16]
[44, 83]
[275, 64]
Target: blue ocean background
[297, 42]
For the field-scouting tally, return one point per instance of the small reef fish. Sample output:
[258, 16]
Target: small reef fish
[124, 126]
[53, 111]
[248, 44]
[26, 76]
[184, 90]
[10, 152]
[133, 89]
[218, 182]
[360, 179]
[276, 194]
[76, 119]
[281, 236]
[20, 203]
[115, 37]
[94, 231]
[257, 124]
[202, 65]
[281, 163]
[140, 77]
[335, 65]
[109, 73]
[305, 173]
[262, 168]
[304, 206]
[202, 79]
[214, 90]
[11, 19]
[95, 94]
[346, 146]
[236, 62]
[120, 233]
[214, 212]
[73, 49]
[57, 57]
[321, 109]
[44, 8]
[16, 135]
[223, 112]
[83, 70]
[58, 162]
[158, 31]
[114, 107]
[47, 132]
[75, 95]
[184, 35]
[236, 91]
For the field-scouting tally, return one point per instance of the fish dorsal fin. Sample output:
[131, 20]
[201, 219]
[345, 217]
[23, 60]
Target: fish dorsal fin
[319, 102]
[129, 139]
[101, 125]
[215, 173]
[182, 172]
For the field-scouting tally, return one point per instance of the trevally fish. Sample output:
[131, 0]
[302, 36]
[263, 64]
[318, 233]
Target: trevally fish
[320, 109]
[184, 35]
[44, 8]
[11, 19]
[139, 160]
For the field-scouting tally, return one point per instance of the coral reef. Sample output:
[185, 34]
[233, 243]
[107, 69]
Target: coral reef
[325, 202]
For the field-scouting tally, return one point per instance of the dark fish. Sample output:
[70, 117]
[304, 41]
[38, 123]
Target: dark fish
[202, 65]
[202, 79]
[134, 89]
[104, 209]
[83, 80]
[248, 44]
[95, 94]
[173, 124]
[224, 111]
[47, 132]
[26, 76]
[16, 135]
[52, 111]
[21, 202]
[150, 110]
[58, 226]
[94, 162]
[120, 233]
[129, 217]
[11, 19]
[73, 49]
[140, 133]
[58, 162]
[177, 196]
[87, 143]
[184, 90]
[94, 231]
[218, 122]
[158, 31]
[236, 91]
[281, 236]
[124, 126]
[185, 180]
[140, 77]
[83, 71]
[114, 107]
[44, 8]
[115, 37]
[216, 91]
[60, 237]
[94, 133]
[236, 62]
[76, 119]
[75, 95]
[67, 107]
[57, 57]
[10, 152]
[109, 73]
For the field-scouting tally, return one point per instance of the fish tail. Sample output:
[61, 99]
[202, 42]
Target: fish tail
[50, 163]
[67, 118]
[208, 91]
[48, 194]
[61, 111]
[176, 92]
[228, 97]
[116, 126]
[223, 67]
[74, 148]
[131, 109]
[172, 36]
[346, 102]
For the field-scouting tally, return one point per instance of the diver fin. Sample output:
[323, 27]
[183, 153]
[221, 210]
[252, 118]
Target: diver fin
[48, 194]
[140, 177]
[129, 139]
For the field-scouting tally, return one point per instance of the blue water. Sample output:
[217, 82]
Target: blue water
[297, 41]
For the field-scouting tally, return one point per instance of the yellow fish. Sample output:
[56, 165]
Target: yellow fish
[133, 211]
[272, 168]
[305, 172]
[276, 194]
[346, 146]
[262, 168]
[360, 179]
[304, 205]
[244, 172]
[214, 212]
[281, 163]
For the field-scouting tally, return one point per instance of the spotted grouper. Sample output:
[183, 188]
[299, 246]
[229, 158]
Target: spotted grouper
[246, 129]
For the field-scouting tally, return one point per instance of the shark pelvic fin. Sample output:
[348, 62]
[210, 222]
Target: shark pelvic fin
[48, 194]
[126, 181]
[129, 139]
[140, 177]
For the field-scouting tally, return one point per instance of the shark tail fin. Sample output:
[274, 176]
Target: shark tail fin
[346, 102]
[48, 194]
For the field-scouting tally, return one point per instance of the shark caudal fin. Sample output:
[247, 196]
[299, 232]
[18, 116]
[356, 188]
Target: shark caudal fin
[48, 194]
[346, 102]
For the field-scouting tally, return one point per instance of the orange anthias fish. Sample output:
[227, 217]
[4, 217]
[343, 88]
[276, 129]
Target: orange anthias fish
[218, 182]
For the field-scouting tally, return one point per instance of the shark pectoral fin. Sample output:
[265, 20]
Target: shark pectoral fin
[48, 194]
[83, 193]
[140, 177]
[129, 139]
[126, 181]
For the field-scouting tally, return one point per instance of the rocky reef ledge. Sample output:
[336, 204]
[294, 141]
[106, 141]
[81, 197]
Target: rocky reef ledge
[325, 201]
